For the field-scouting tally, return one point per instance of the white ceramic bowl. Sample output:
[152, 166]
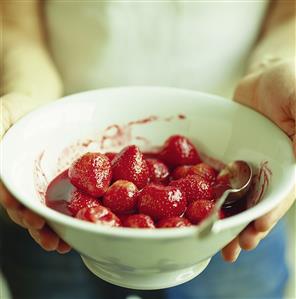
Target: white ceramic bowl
[135, 258]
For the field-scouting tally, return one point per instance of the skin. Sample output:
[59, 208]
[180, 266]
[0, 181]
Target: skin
[268, 87]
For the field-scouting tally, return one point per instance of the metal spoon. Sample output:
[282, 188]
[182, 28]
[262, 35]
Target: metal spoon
[240, 176]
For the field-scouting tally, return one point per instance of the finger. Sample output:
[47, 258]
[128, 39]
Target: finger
[32, 220]
[18, 213]
[266, 222]
[231, 251]
[63, 247]
[16, 216]
[294, 143]
[7, 200]
[46, 238]
[249, 238]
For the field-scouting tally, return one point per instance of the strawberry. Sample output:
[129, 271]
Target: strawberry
[138, 221]
[178, 151]
[173, 222]
[180, 172]
[91, 173]
[78, 200]
[198, 210]
[195, 188]
[223, 178]
[205, 171]
[219, 189]
[121, 197]
[222, 183]
[110, 156]
[158, 171]
[160, 201]
[98, 215]
[151, 155]
[130, 165]
[222, 214]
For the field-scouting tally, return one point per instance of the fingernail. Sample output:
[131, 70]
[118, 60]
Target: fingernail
[27, 224]
[236, 255]
[35, 235]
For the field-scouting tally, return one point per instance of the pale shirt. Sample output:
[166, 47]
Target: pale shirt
[201, 45]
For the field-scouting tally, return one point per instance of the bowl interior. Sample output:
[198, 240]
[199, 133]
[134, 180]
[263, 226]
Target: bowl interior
[48, 139]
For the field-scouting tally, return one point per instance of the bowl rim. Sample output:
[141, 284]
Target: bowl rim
[53, 216]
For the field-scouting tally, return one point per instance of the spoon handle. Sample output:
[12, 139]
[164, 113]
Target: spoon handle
[205, 227]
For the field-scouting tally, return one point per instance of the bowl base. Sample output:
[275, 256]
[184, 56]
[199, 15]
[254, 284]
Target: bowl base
[146, 281]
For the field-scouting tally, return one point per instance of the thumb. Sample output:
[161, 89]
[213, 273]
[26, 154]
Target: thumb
[246, 89]
[13, 107]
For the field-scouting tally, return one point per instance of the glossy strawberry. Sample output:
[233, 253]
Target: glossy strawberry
[223, 178]
[130, 165]
[222, 214]
[151, 155]
[222, 184]
[205, 171]
[91, 173]
[98, 215]
[178, 150]
[173, 222]
[78, 200]
[195, 188]
[121, 197]
[199, 210]
[160, 201]
[180, 172]
[110, 156]
[138, 221]
[158, 171]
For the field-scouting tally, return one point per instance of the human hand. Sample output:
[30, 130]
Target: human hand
[272, 92]
[15, 105]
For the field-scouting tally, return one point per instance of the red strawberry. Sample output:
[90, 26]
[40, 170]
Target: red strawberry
[138, 221]
[199, 210]
[219, 189]
[121, 197]
[151, 155]
[158, 171]
[173, 222]
[78, 200]
[222, 214]
[178, 150]
[160, 201]
[180, 172]
[91, 173]
[110, 156]
[130, 165]
[194, 187]
[98, 215]
[205, 171]
[223, 178]
[222, 183]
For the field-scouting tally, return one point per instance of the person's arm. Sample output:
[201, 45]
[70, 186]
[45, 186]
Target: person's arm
[28, 76]
[277, 40]
[270, 88]
[28, 79]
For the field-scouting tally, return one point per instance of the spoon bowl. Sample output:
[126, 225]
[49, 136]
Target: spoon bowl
[239, 174]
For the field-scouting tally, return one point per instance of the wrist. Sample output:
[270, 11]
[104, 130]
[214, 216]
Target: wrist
[268, 61]
[274, 48]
